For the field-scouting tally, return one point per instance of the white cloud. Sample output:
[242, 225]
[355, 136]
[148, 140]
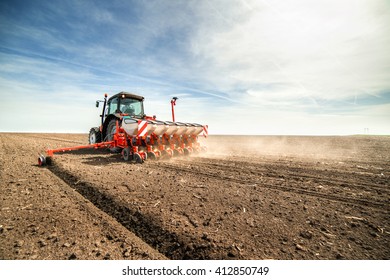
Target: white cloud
[247, 121]
[323, 49]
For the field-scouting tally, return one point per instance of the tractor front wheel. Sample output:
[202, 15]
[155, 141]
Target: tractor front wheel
[95, 136]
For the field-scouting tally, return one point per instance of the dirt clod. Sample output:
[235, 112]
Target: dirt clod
[73, 256]
[19, 243]
[306, 234]
[300, 247]
[42, 243]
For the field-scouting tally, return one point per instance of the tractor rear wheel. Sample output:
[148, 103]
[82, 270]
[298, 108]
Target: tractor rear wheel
[95, 136]
[111, 130]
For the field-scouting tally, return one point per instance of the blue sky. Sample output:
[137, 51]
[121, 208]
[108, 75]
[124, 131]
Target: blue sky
[246, 67]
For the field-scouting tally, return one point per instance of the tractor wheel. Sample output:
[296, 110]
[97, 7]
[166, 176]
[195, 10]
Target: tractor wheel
[95, 136]
[111, 129]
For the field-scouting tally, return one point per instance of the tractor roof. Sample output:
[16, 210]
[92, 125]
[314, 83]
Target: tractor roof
[127, 95]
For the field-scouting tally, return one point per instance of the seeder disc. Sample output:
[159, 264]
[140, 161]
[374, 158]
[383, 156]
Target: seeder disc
[152, 155]
[186, 151]
[138, 158]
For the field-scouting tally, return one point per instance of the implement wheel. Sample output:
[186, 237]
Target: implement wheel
[42, 160]
[138, 158]
[152, 155]
[165, 154]
[126, 154]
[176, 153]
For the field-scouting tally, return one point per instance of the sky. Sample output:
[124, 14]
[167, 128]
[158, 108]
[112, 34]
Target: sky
[249, 67]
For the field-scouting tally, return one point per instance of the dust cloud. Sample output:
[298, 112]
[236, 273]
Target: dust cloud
[313, 147]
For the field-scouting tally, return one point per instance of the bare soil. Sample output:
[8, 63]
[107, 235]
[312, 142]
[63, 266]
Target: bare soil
[248, 197]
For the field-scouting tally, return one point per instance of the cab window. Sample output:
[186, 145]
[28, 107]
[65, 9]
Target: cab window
[132, 107]
[113, 106]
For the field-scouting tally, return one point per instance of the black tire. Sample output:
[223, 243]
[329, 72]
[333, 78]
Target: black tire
[126, 154]
[41, 160]
[49, 161]
[111, 129]
[95, 136]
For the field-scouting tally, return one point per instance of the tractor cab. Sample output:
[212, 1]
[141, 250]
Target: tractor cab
[124, 103]
[117, 106]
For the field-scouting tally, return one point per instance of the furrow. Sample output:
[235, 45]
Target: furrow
[332, 197]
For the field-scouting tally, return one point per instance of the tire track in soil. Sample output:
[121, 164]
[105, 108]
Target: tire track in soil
[291, 172]
[285, 172]
[148, 228]
[349, 200]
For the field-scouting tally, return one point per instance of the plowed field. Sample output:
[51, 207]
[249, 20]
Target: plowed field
[248, 197]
